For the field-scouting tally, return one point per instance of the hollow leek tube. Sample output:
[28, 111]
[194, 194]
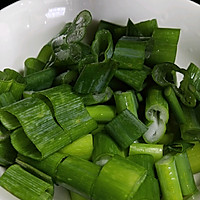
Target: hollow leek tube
[149, 189]
[194, 157]
[174, 104]
[126, 100]
[77, 175]
[119, 179]
[145, 160]
[125, 128]
[102, 113]
[24, 185]
[33, 65]
[168, 178]
[130, 53]
[190, 130]
[194, 82]
[7, 152]
[82, 147]
[102, 46]
[104, 148]
[95, 77]
[157, 114]
[164, 46]
[134, 78]
[40, 131]
[156, 150]
[185, 175]
[45, 53]
[40, 80]
[68, 110]
[48, 165]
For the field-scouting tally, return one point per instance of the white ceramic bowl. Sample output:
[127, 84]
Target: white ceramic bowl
[27, 25]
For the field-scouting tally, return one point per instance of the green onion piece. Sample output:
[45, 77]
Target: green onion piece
[164, 49]
[192, 81]
[194, 157]
[174, 104]
[78, 27]
[185, 175]
[48, 165]
[130, 53]
[12, 85]
[82, 147]
[75, 196]
[190, 130]
[119, 179]
[125, 128]
[33, 65]
[144, 160]
[65, 78]
[7, 152]
[163, 75]
[168, 178]
[156, 150]
[146, 28]
[104, 148]
[102, 113]
[157, 114]
[35, 172]
[68, 110]
[95, 77]
[126, 100]
[77, 175]
[40, 80]
[134, 78]
[102, 46]
[149, 189]
[97, 98]
[131, 29]
[116, 30]
[39, 128]
[45, 53]
[24, 185]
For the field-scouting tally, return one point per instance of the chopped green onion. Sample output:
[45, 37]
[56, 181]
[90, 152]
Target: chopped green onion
[102, 46]
[119, 179]
[102, 113]
[125, 128]
[25, 185]
[130, 53]
[95, 77]
[156, 150]
[126, 100]
[157, 114]
[168, 178]
[82, 147]
[77, 175]
[185, 175]
[104, 148]
[134, 78]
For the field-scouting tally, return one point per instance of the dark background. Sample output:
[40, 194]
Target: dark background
[8, 2]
